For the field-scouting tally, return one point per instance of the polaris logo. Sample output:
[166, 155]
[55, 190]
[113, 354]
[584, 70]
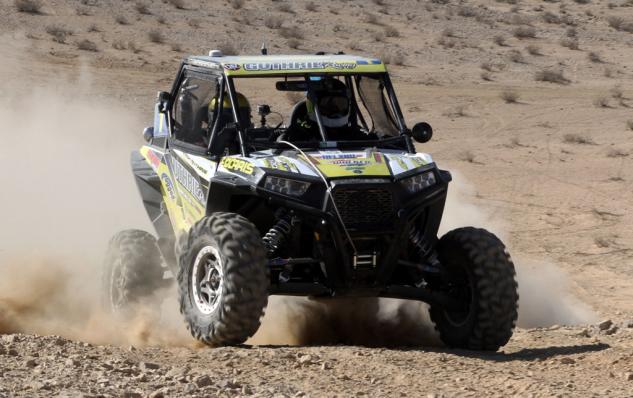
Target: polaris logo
[188, 181]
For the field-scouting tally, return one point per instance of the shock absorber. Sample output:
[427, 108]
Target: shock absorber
[278, 233]
[423, 248]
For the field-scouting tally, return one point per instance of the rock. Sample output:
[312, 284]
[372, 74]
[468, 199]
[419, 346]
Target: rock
[628, 376]
[604, 325]
[612, 330]
[584, 333]
[30, 363]
[628, 324]
[71, 362]
[203, 381]
[160, 393]
[305, 359]
[148, 366]
[567, 361]
[132, 394]
[13, 352]
[326, 366]
[107, 366]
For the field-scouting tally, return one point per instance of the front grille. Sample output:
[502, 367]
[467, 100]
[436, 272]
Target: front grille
[364, 206]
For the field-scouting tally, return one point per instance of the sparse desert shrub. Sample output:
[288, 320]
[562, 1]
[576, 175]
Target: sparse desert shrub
[516, 56]
[448, 32]
[378, 36]
[458, 111]
[178, 4]
[500, 40]
[142, 8]
[121, 20]
[534, 50]
[486, 76]
[571, 32]
[59, 33]
[524, 32]
[294, 97]
[285, 8]
[93, 28]
[570, 43]
[236, 4]
[155, 36]
[608, 73]
[583, 1]
[577, 139]
[466, 156]
[616, 153]
[629, 124]
[601, 102]
[87, 45]
[390, 31]
[291, 32]
[487, 66]
[394, 58]
[618, 23]
[595, 57]
[273, 22]
[550, 17]
[29, 6]
[310, 6]
[354, 45]
[370, 18]
[293, 43]
[82, 11]
[119, 45]
[227, 48]
[467, 11]
[510, 97]
[161, 20]
[194, 23]
[176, 47]
[617, 93]
[447, 42]
[551, 76]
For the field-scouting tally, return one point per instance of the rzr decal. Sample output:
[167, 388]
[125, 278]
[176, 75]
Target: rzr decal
[297, 65]
[188, 181]
[235, 164]
[232, 66]
[169, 186]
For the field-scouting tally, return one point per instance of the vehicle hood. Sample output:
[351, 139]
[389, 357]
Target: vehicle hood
[334, 163]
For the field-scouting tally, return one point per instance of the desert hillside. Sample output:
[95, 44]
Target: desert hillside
[532, 107]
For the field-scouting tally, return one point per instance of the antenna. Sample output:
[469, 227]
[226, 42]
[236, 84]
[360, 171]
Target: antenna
[264, 49]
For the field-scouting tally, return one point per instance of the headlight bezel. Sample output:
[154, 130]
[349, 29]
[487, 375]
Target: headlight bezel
[418, 182]
[286, 186]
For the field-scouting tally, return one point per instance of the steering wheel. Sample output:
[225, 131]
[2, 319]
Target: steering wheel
[299, 110]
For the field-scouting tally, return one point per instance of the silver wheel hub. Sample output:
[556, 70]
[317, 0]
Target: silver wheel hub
[207, 280]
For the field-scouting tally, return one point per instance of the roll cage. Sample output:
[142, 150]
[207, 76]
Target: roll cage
[226, 88]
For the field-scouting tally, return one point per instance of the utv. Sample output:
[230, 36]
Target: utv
[334, 202]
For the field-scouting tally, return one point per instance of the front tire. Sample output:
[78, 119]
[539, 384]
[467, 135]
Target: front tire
[477, 271]
[133, 272]
[223, 279]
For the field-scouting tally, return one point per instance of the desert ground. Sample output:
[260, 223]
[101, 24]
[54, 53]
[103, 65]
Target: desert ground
[531, 104]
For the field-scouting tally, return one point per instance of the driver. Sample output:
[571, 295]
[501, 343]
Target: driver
[243, 112]
[336, 115]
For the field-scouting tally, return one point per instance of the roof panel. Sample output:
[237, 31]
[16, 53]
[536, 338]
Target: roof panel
[250, 65]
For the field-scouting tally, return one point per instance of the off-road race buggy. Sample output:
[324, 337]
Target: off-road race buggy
[246, 210]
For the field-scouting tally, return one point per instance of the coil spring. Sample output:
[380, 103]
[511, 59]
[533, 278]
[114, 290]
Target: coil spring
[417, 238]
[276, 236]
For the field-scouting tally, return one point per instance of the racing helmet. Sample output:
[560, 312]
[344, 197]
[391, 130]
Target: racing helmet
[333, 102]
[244, 111]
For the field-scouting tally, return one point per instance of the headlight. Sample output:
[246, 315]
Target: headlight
[419, 182]
[286, 186]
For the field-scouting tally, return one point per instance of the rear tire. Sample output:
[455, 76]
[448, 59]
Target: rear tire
[223, 279]
[133, 272]
[478, 271]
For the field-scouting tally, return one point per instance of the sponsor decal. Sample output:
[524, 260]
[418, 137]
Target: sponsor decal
[232, 66]
[154, 160]
[235, 164]
[169, 186]
[297, 65]
[188, 181]
[341, 156]
[351, 162]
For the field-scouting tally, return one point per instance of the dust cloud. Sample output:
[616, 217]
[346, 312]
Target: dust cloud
[545, 298]
[66, 189]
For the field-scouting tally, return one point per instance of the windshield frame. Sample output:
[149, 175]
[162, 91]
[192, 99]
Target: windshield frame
[324, 142]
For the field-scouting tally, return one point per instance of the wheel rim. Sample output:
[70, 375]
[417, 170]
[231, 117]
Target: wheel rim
[207, 280]
[461, 289]
[117, 283]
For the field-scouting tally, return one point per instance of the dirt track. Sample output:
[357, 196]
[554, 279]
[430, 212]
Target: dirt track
[552, 173]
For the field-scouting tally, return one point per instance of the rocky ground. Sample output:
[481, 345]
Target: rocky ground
[557, 361]
[531, 105]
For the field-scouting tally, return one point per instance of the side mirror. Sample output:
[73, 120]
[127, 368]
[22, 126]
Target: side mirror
[148, 134]
[163, 100]
[422, 132]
